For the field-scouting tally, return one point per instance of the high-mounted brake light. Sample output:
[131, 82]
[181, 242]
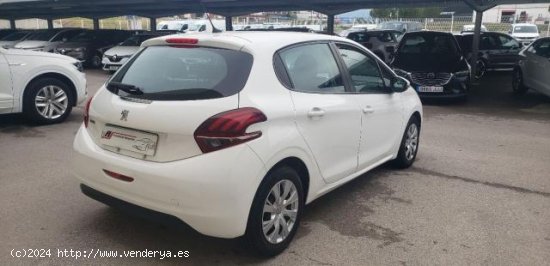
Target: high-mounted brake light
[228, 129]
[87, 111]
[182, 41]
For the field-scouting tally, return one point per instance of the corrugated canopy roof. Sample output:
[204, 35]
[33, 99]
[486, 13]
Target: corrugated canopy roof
[53, 9]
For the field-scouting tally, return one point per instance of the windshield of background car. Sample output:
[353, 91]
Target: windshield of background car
[526, 29]
[85, 36]
[42, 36]
[167, 73]
[137, 40]
[429, 45]
[391, 26]
[16, 36]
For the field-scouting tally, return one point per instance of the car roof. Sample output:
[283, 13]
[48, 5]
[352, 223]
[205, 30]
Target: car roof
[249, 40]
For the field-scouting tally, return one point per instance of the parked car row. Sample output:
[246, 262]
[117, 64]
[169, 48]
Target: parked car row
[437, 63]
[85, 45]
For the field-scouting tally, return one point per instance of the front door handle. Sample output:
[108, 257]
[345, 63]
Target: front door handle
[316, 112]
[368, 110]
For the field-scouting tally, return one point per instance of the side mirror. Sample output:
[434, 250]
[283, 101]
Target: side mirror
[399, 84]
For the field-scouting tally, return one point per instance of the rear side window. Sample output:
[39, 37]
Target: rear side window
[172, 73]
[313, 69]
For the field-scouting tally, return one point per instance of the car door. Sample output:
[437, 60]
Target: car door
[327, 115]
[381, 109]
[490, 46]
[509, 51]
[540, 67]
[6, 90]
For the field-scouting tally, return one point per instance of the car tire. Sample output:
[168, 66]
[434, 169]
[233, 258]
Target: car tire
[47, 101]
[95, 61]
[409, 145]
[481, 69]
[518, 85]
[266, 207]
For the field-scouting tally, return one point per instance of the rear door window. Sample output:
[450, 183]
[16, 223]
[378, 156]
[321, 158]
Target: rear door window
[312, 68]
[175, 73]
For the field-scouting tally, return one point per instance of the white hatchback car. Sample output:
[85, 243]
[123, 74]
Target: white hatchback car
[43, 86]
[233, 133]
[533, 70]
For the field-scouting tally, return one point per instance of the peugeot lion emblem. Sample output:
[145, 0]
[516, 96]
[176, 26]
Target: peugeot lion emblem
[124, 115]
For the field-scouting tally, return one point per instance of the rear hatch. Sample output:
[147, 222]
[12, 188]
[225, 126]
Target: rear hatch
[151, 108]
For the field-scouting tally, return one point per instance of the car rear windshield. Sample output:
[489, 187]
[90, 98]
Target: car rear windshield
[166, 73]
[429, 45]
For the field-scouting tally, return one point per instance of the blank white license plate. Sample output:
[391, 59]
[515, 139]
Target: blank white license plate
[130, 140]
[114, 68]
[430, 89]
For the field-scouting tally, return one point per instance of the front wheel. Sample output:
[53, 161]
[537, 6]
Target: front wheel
[409, 145]
[276, 211]
[47, 101]
[518, 85]
[481, 68]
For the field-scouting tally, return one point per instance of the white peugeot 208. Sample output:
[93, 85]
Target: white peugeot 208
[233, 133]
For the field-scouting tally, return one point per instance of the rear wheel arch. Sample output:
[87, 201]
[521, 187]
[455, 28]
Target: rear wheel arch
[60, 77]
[299, 166]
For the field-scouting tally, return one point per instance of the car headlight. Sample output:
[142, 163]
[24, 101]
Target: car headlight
[402, 72]
[79, 66]
[80, 49]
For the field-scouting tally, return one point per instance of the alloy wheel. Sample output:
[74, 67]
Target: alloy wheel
[480, 69]
[411, 142]
[51, 102]
[280, 211]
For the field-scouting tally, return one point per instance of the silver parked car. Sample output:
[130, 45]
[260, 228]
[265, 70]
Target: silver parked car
[533, 70]
[47, 40]
[11, 40]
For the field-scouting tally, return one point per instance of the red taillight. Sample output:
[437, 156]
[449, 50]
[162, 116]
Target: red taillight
[87, 111]
[228, 129]
[182, 41]
[118, 176]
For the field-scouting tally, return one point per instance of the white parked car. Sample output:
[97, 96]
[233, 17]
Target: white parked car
[533, 70]
[233, 133]
[524, 32]
[43, 86]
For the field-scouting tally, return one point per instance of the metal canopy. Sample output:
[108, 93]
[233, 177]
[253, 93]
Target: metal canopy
[54, 9]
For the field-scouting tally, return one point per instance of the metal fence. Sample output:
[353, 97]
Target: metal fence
[456, 24]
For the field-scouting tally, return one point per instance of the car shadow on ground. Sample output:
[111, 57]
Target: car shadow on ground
[493, 95]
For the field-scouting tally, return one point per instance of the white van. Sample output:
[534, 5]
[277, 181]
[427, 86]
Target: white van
[200, 25]
[525, 33]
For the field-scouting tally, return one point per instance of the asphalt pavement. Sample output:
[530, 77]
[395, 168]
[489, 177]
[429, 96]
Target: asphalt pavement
[479, 193]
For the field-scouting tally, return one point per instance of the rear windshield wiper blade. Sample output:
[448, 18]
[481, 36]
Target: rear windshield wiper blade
[114, 87]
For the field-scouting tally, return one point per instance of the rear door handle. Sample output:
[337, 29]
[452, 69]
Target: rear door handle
[316, 112]
[368, 110]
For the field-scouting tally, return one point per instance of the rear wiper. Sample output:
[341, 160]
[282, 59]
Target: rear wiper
[114, 87]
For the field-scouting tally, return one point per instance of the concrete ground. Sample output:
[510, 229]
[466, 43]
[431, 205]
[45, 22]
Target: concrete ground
[479, 193]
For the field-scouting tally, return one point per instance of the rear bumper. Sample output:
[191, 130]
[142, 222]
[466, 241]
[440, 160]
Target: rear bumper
[212, 192]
